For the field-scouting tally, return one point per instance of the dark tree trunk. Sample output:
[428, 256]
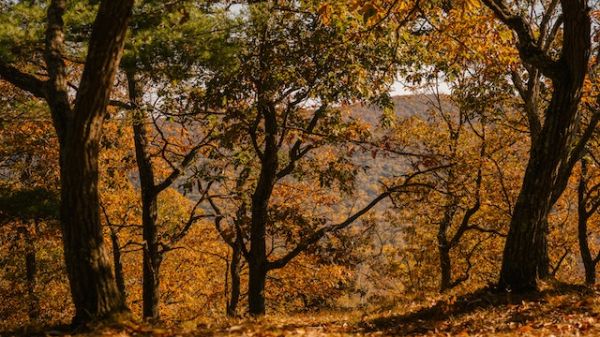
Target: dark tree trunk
[93, 286]
[256, 286]
[257, 262]
[552, 156]
[586, 255]
[152, 256]
[79, 130]
[445, 269]
[526, 243]
[30, 274]
[119, 276]
[444, 246]
[234, 269]
[582, 229]
[544, 258]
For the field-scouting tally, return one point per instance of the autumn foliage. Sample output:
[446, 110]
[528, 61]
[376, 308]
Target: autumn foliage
[192, 164]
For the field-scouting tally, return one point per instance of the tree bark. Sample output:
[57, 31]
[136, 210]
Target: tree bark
[79, 130]
[257, 262]
[583, 215]
[552, 156]
[445, 269]
[118, 263]
[30, 274]
[93, 286]
[525, 244]
[234, 269]
[543, 267]
[256, 286]
[586, 256]
[444, 246]
[152, 257]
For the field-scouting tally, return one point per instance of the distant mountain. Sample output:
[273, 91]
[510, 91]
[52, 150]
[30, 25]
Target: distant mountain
[404, 106]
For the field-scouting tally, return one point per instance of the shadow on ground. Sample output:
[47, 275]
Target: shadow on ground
[462, 313]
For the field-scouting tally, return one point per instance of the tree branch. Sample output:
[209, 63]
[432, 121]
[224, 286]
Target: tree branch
[23, 81]
[528, 48]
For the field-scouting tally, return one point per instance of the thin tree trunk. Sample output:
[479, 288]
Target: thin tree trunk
[444, 247]
[257, 262]
[119, 276]
[30, 274]
[234, 269]
[586, 256]
[582, 228]
[151, 257]
[446, 269]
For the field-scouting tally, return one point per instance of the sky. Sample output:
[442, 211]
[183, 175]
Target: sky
[399, 89]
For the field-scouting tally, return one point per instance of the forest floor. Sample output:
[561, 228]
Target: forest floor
[558, 310]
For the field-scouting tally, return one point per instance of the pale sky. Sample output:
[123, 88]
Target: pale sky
[399, 89]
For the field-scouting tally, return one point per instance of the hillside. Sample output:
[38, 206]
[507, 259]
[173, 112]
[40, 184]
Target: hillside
[558, 310]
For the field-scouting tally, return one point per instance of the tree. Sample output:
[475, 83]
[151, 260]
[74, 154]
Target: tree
[456, 48]
[288, 58]
[78, 125]
[586, 207]
[558, 146]
[159, 124]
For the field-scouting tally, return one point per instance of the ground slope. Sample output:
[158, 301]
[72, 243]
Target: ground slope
[559, 310]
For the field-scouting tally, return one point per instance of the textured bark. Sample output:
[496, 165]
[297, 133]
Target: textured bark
[543, 267]
[552, 156]
[91, 278]
[79, 129]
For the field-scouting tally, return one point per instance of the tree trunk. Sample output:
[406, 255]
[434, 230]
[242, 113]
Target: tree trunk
[234, 269]
[552, 156]
[119, 276]
[256, 286]
[582, 228]
[257, 262]
[444, 250]
[442, 240]
[544, 258]
[586, 255]
[30, 274]
[79, 130]
[93, 288]
[90, 273]
[445, 269]
[152, 256]
[524, 246]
